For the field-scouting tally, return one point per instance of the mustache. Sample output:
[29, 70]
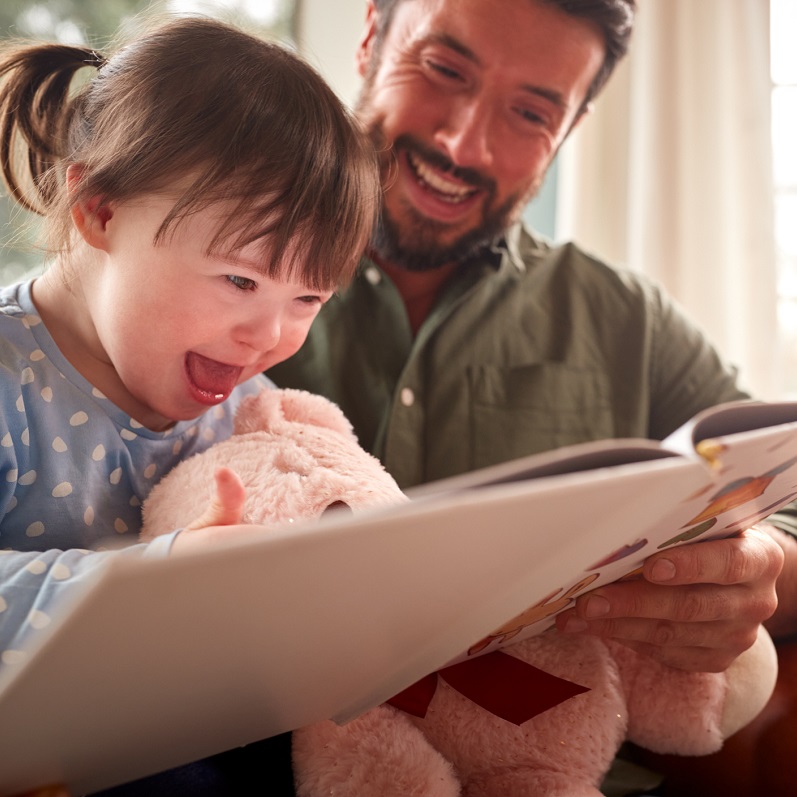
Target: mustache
[435, 158]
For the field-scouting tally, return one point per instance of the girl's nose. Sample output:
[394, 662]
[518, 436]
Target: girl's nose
[261, 333]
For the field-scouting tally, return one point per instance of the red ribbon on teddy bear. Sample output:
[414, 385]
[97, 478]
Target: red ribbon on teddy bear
[501, 684]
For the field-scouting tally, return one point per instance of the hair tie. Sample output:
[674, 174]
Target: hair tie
[97, 60]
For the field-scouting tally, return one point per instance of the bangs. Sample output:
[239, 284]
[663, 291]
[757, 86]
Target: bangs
[314, 230]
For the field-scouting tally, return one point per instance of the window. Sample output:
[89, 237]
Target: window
[79, 21]
[784, 141]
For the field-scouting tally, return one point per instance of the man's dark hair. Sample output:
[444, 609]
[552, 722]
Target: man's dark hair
[614, 18]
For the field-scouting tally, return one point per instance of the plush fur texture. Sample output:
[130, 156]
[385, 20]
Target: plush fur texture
[461, 749]
[297, 455]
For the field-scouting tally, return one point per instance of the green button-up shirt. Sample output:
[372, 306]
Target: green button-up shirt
[529, 348]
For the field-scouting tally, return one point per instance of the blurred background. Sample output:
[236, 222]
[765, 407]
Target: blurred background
[686, 170]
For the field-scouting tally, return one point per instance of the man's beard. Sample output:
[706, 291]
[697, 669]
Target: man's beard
[416, 244]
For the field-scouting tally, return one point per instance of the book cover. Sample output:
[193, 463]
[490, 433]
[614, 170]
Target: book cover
[161, 662]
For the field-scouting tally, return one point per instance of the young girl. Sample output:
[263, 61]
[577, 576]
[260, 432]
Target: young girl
[205, 192]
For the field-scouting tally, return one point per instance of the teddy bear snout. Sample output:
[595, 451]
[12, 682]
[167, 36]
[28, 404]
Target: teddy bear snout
[338, 506]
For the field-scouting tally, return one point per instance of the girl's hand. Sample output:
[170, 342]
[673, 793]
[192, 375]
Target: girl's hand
[227, 506]
[221, 521]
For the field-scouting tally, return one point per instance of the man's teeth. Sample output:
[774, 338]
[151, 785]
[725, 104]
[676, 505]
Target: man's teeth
[451, 192]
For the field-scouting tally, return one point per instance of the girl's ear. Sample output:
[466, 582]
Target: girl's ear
[366, 46]
[89, 216]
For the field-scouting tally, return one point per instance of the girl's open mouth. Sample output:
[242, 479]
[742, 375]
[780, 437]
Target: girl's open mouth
[210, 381]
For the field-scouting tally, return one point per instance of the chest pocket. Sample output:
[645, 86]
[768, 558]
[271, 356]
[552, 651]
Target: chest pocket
[534, 408]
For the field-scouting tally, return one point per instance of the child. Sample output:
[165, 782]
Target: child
[205, 192]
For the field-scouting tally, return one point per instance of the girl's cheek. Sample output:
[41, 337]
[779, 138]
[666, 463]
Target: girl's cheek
[300, 335]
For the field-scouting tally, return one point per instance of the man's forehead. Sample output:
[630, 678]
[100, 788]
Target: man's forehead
[537, 46]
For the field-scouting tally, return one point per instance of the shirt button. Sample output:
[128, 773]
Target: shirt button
[407, 397]
[372, 275]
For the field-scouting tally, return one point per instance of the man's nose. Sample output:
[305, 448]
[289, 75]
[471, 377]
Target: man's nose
[466, 133]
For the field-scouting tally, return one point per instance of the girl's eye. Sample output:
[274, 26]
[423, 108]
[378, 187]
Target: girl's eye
[311, 300]
[242, 283]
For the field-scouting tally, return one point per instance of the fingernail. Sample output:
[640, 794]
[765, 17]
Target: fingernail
[662, 570]
[574, 625]
[597, 606]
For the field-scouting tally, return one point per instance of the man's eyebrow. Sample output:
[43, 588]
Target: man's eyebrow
[446, 40]
[548, 94]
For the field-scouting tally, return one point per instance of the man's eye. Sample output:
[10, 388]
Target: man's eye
[530, 116]
[442, 69]
[242, 283]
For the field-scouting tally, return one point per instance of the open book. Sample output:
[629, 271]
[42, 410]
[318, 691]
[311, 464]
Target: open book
[331, 618]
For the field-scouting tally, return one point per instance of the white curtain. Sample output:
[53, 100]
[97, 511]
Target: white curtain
[671, 175]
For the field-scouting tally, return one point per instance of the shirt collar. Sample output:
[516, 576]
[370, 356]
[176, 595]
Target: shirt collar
[518, 245]
[511, 251]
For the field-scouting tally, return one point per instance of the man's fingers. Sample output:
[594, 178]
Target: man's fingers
[699, 603]
[697, 606]
[749, 557]
[690, 659]
[718, 643]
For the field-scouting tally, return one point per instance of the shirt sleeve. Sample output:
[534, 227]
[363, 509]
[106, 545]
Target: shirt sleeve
[35, 587]
[687, 373]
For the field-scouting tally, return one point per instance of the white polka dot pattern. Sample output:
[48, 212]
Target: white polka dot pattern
[62, 490]
[12, 656]
[38, 619]
[74, 470]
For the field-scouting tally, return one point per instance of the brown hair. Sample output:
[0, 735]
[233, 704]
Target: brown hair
[614, 18]
[248, 122]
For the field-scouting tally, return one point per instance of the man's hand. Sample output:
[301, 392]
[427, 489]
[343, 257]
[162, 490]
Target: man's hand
[696, 607]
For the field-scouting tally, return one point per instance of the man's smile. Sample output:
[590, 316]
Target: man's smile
[444, 186]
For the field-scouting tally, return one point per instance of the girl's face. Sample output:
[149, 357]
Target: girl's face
[167, 331]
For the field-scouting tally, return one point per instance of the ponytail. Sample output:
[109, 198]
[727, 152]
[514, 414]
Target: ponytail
[36, 110]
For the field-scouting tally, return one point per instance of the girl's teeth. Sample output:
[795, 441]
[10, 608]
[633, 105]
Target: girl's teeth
[452, 192]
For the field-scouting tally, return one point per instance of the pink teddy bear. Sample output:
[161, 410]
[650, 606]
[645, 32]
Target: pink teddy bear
[297, 456]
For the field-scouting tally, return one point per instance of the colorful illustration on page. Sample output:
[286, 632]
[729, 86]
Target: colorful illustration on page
[734, 495]
[547, 607]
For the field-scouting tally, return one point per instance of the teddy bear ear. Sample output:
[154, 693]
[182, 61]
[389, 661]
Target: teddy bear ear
[272, 408]
[299, 406]
[258, 413]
